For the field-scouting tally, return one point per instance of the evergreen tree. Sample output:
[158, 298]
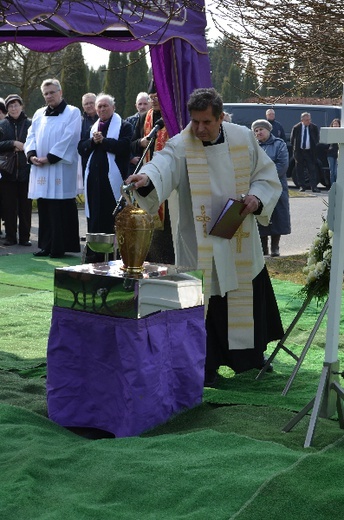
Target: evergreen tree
[115, 79]
[250, 80]
[137, 80]
[95, 80]
[231, 87]
[73, 77]
[225, 52]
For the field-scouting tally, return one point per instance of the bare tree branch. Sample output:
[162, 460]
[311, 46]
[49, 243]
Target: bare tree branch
[308, 35]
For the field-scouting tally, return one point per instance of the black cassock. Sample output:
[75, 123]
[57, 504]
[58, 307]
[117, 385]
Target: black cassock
[267, 327]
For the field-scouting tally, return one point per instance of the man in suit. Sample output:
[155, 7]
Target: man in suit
[277, 128]
[304, 138]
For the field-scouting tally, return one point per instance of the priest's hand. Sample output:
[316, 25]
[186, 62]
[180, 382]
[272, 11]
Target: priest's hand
[140, 179]
[253, 205]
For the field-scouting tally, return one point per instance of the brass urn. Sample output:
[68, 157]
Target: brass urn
[134, 231]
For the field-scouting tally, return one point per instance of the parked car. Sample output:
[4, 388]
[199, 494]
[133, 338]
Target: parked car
[288, 116]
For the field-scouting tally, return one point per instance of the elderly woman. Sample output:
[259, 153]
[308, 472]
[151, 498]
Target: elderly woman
[16, 206]
[277, 150]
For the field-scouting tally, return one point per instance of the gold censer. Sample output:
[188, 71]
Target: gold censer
[134, 231]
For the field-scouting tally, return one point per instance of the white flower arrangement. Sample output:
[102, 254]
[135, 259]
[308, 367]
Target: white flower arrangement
[318, 266]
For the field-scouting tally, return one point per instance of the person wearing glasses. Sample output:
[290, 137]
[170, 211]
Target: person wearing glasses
[51, 149]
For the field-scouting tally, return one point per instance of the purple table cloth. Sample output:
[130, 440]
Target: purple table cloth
[121, 375]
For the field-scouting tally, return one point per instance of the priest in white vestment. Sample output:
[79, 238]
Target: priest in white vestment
[198, 171]
[51, 148]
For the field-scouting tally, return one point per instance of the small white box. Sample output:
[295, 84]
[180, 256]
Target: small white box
[175, 291]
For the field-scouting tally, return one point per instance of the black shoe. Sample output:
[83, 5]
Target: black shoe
[42, 252]
[270, 367]
[10, 243]
[302, 189]
[275, 252]
[210, 378]
[25, 243]
[316, 190]
[56, 255]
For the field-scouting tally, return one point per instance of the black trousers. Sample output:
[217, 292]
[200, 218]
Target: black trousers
[161, 250]
[58, 226]
[267, 327]
[16, 209]
[306, 158]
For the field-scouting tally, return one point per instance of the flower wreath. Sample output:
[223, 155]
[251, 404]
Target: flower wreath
[318, 266]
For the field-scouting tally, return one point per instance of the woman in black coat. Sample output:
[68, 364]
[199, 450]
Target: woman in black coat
[14, 187]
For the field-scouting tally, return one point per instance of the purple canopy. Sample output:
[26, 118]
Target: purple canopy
[175, 34]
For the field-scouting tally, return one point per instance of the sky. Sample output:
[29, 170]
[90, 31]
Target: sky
[95, 56]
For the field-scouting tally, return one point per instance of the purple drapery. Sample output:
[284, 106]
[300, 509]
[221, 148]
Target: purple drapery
[121, 375]
[178, 69]
[178, 49]
[145, 21]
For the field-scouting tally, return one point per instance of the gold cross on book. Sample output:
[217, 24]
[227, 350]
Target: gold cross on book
[239, 235]
[204, 219]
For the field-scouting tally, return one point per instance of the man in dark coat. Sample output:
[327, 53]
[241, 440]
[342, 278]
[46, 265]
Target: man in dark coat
[89, 117]
[277, 128]
[304, 138]
[142, 105]
[107, 153]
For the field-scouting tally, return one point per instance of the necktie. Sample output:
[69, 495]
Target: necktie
[304, 138]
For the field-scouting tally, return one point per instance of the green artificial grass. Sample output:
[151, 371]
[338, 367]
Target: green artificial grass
[24, 324]
[160, 477]
[227, 458]
[30, 272]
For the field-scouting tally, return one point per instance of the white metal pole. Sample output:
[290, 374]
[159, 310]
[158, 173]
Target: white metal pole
[336, 210]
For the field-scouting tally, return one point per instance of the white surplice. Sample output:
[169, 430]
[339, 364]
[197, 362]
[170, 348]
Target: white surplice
[58, 135]
[168, 173]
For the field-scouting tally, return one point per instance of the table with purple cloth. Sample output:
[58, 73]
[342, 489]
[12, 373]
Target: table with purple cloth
[120, 375]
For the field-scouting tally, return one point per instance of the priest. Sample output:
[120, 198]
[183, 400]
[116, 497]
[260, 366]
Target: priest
[50, 148]
[198, 170]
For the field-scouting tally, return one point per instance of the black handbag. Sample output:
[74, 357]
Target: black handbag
[8, 163]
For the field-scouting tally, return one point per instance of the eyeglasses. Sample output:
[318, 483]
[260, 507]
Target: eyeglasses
[51, 92]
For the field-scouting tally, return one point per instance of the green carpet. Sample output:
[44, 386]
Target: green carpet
[227, 458]
[30, 272]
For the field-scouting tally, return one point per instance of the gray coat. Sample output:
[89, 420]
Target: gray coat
[277, 150]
